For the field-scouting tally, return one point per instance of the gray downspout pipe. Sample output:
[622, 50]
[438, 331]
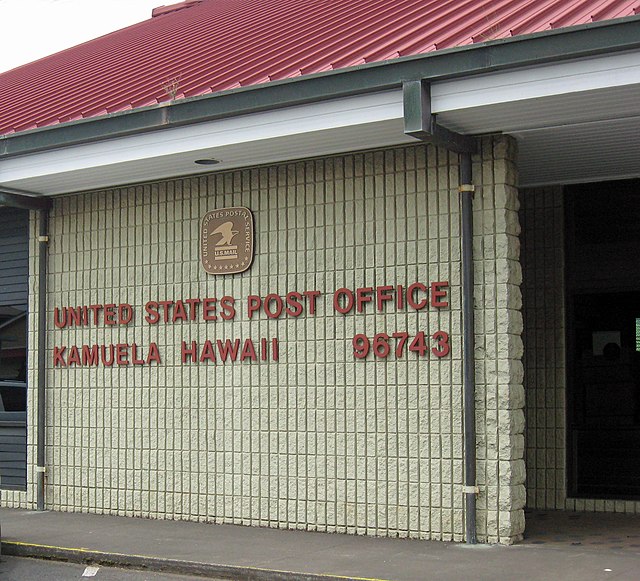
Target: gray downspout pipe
[43, 243]
[421, 123]
[468, 348]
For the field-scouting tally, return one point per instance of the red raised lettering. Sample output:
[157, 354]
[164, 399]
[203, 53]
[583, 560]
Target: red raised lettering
[60, 321]
[152, 316]
[107, 362]
[228, 308]
[74, 317]
[193, 311]
[267, 306]
[110, 314]
[188, 352]
[436, 294]
[228, 350]
[179, 312]
[363, 295]
[402, 340]
[400, 297]
[294, 306]
[248, 351]
[311, 297]
[253, 304]
[209, 309]
[134, 355]
[383, 294]
[95, 309]
[154, 354]
[58, 357]
[381, 346]
[165, 309]
[125, 314]
[442, 347]
[74, 356]
[208, 352]
[122, 354]
[361, 346]
[90, 355]
[340, 296]
[419, 344]
[411, 298]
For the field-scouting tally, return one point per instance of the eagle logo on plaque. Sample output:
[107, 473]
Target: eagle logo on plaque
[226, 240]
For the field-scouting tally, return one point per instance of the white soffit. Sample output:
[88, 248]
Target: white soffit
[366, 121]
[563, 78]
[576, 121]
[239, 155]
[588, 152]
[541, 106]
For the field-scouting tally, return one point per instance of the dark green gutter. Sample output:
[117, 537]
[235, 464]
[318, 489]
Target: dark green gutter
[27, 202]
[521, 51]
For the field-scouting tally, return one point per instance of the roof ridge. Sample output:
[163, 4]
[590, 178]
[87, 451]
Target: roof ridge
[160, 10]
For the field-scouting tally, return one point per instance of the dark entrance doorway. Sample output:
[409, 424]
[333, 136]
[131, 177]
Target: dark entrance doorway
[603, 336]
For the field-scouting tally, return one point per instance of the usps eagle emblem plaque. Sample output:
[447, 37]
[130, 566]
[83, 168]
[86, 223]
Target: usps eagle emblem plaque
[226, 240]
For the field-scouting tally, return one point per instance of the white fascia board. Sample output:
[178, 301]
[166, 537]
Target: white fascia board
[257, 127]
[536, 82]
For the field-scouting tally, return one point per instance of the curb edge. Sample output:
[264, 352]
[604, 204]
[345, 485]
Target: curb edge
[211, 570]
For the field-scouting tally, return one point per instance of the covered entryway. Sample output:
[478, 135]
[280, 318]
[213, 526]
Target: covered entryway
[603, 339]
[577, 131]
[581, 308]
[584, 530]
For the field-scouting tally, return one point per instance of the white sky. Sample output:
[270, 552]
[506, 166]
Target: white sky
[32, 29]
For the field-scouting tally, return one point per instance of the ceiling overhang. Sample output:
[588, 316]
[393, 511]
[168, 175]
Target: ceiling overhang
[576, 120]
[304, 131]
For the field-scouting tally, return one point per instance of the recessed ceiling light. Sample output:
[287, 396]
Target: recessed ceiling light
[209, 161]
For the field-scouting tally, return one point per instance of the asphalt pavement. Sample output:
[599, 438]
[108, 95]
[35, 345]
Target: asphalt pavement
[263, 554]
[25, 569]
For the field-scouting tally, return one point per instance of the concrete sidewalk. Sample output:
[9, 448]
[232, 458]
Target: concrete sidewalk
[246, 553]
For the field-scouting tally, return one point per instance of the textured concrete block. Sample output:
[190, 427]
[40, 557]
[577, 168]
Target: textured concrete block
[292, 443]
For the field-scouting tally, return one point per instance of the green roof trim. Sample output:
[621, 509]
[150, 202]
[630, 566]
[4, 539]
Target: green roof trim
[557, 45]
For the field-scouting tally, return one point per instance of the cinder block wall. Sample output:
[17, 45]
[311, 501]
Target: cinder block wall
[317, 440]
[498, 319]
[542, 221]
[542, 218]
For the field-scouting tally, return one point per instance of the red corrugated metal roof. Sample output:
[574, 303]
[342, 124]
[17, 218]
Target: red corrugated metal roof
[206, 46]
